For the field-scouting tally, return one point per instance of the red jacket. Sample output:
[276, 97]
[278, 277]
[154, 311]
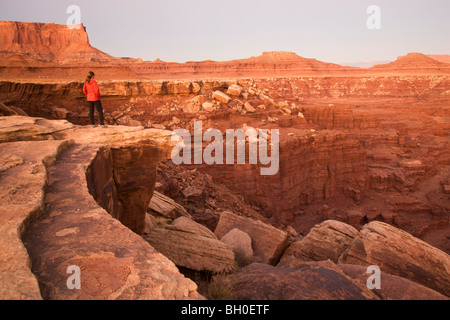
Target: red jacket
[91, 90]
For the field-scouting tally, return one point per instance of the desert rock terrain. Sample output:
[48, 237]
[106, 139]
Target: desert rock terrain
[363, 179]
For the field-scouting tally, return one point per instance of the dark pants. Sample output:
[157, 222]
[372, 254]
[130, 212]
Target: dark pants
[98, 106]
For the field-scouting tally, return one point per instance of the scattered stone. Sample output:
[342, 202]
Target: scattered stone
[249, 108]
[283, 105]
[208, 107]
[286, 111]
[234, 90]
[221, 97]
[196, 87]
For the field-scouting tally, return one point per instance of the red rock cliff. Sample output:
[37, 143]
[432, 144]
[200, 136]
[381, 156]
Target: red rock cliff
[46, 42]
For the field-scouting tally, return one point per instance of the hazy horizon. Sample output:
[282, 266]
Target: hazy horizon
[179, 31]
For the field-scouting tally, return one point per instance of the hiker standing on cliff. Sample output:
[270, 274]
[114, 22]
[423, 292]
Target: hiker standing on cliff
[91, 90]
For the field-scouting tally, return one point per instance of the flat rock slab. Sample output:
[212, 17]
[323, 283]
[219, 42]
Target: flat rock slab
[20, 128]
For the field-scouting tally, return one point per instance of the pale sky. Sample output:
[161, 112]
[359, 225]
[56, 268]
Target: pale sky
[194, 30]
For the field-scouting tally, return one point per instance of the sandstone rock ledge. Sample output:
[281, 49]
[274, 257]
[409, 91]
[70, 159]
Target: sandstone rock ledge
[65, 194]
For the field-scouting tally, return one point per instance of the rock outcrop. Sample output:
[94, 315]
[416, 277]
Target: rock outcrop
[56, 199]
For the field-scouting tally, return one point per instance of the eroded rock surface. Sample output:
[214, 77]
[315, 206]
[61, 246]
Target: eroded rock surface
[48, 202]
[265, 282]
[398, 253]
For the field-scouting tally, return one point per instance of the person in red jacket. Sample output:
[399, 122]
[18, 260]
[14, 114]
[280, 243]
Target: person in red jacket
[92, 92]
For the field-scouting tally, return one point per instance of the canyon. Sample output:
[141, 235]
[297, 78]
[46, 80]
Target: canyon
[363, 152]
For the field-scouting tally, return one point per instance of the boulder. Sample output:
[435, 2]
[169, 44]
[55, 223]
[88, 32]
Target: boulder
[327, 240]
[241, 243]
[268, 242]
[316, 282]
[191, 250]
[286, 111]
[283, 104]
[234, 90]
[222, 97]
[399, 253]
